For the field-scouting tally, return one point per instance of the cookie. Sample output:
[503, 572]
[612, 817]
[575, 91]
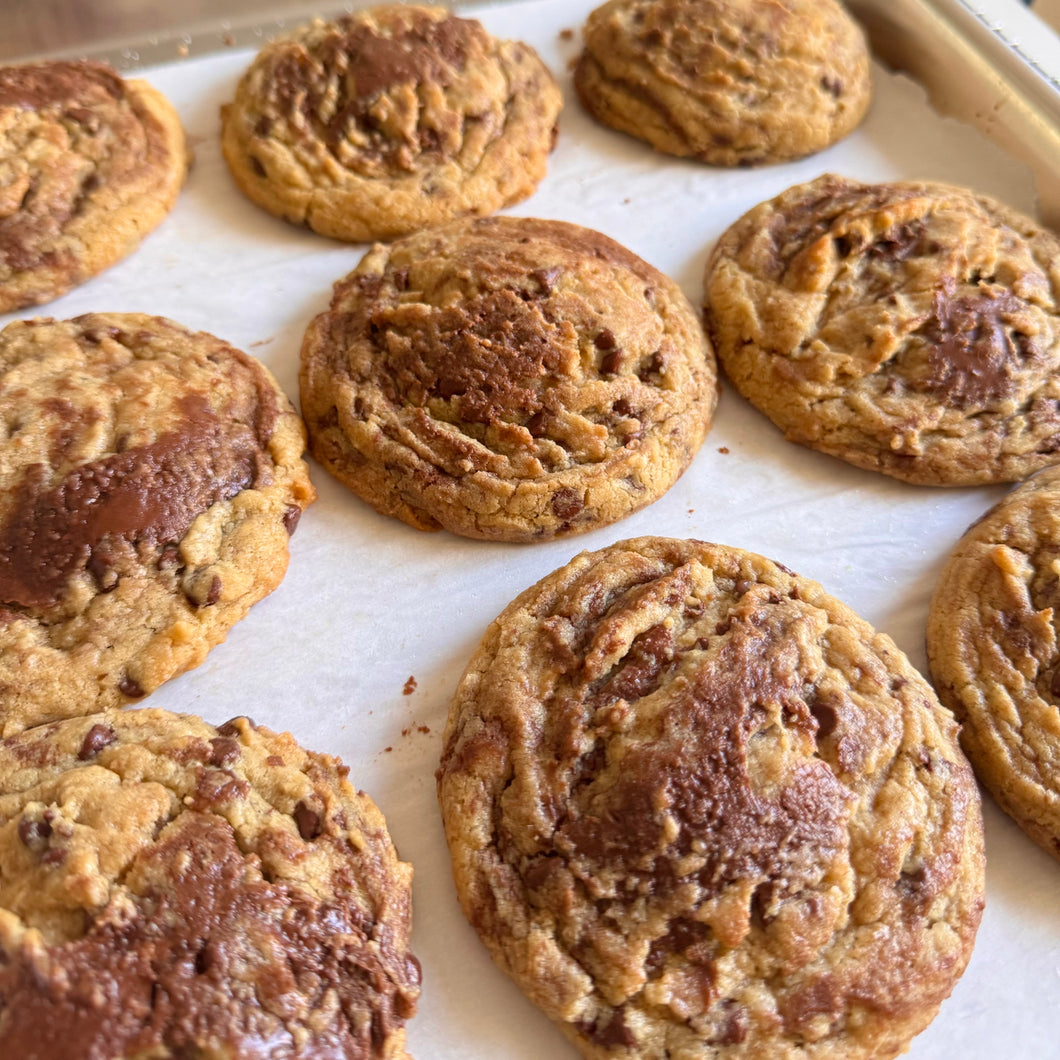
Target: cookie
[994, 653]
[908, 328]
[508, 379]
[150, 477]
[697, 807]
[388, 120]
[171, 889]
[727, 82]
[89, 164]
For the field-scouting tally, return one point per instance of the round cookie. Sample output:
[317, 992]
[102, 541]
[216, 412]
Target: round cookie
[994, 653]
[388, 120]
[508, 379]
[174, 890]
[150, 478]
[89, 164]
[697, 807]
[908, 328]
[727, 82]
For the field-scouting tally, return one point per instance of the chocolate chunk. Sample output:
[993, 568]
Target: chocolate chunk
[232, 728]
[98, 737]
[34, 833]
[309, 821]
[611, 362]
[214, 592]
[291, 515]
[974, 351]
[546, 278]
[567, 503]
[130, 687]
[223, 750]
[827, 718]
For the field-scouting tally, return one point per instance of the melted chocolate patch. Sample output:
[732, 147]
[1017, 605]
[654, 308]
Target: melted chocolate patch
[215, 954]
[148, 494]
[974, 352]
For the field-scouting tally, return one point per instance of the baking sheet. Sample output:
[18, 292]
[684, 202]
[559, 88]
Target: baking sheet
[368, 603]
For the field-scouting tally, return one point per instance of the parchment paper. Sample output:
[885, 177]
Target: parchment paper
[368, 603]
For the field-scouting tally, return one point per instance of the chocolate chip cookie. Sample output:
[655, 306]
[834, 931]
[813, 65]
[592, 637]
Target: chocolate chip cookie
[388, 120]
[697, 807]
[994, 652]
[89, 164]
[728, 82]
[171, 889]
[508, 379]
[908, 328]
[150, 477]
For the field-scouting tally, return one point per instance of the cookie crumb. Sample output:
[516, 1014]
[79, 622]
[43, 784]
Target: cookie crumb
[423, 728]
[566, 34]
[410, 686]
[723, 449]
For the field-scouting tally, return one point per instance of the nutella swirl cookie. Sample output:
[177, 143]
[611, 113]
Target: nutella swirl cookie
[697, 807]
[89, 164]
[174, 890]
[728, 82]
[150, 477]
[907, 328]
[994, 652]
[388, 120]
[508, 379]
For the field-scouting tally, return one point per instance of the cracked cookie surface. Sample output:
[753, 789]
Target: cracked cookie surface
[89, 165]
[174, 890]
[994, 652]
[150, 478]
[388, 120]
[697, 807]
[507, 379]
[727, 82]
[907, 328]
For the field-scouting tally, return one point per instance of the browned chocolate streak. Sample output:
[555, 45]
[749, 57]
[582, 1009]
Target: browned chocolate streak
[33, 86]
[790, 835]
[360, 63]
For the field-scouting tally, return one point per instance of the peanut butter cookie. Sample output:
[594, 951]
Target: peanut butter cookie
[908, 328]
[150, 477]
[508, 379]
[174, 890]
[388, 120]
[995, 656]
[697, 807]
[728, 82]
[89, 164]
